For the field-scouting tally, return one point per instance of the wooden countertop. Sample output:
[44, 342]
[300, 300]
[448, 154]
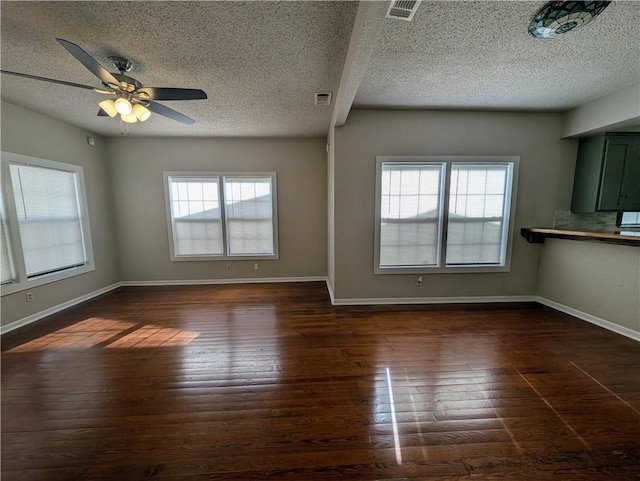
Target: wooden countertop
[537, 236]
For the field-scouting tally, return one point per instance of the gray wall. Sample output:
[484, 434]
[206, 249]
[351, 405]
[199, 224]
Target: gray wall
[598, 279]
[124, 182]
[617, 111]
[545, 180]
[29, 133]
[143, 241]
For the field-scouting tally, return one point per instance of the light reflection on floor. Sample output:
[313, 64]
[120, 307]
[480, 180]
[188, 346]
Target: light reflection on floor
[93, 331]
[392, 407]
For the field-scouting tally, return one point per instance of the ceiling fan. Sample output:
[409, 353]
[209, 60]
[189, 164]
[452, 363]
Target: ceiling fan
[132, 101]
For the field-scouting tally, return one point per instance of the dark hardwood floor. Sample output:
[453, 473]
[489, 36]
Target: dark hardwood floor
[271, 381]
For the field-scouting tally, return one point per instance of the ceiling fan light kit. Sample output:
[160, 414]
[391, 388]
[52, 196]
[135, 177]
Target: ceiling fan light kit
[123, 106]
[136, 112]
[109, 107]
[141, 112]
[130, 119]
[557, 18]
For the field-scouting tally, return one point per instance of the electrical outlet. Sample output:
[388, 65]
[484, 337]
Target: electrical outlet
[228, 267]
[255, 266]
[29, 296]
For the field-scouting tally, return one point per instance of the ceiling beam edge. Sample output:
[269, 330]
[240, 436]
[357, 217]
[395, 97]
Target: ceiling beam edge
[367, 23]
[618, 110]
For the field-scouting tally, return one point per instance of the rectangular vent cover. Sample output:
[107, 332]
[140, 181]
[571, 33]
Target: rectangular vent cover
[403, 9]
[323, 98]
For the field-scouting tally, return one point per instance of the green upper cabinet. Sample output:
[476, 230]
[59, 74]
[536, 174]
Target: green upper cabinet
[607, 176]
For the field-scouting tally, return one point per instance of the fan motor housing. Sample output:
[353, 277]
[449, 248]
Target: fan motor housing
[121, 63]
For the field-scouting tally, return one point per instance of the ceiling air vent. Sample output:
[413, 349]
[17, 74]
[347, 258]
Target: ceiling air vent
[403, 9]
[323, 98]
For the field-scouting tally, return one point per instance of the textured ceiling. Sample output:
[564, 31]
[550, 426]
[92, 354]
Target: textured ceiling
[260, 62]
[479, 55]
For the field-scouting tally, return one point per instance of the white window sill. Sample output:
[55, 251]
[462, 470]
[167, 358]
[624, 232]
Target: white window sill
[45, 279]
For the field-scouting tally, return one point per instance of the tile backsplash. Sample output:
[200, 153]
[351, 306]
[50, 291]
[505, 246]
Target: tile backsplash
[597, 222]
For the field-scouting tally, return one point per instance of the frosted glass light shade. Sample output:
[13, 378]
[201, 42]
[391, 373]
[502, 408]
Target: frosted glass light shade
[109, 106]
[141, 112]
[123, 106]
[130, 119]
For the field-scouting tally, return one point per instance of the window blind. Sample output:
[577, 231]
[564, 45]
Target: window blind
[47, 206]
[249, 215]
[443, 214]
[410, 210]
[477, 218]
[196, 216]
[6, 271]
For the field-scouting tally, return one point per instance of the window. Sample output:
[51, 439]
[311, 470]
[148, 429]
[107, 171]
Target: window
[410, 214]
[6, 265]
[249, 214]
[629, 219]
[222, 216]
[443, 214]
[45, 228]
[196, 216]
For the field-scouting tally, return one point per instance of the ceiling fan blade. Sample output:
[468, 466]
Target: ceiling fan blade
[167, 112]
[45, 79]
[102, 113]
[163, 93]
[89, 62]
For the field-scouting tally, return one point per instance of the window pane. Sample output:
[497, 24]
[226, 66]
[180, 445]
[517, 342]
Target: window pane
[195, 216]
[49, 219]
[249, 215]
[410, 214]
[476, 231]
[6, 271]
[630, 219]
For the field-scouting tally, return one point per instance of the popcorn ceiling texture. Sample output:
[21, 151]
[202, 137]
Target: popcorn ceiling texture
[479, 55]
[260, 62]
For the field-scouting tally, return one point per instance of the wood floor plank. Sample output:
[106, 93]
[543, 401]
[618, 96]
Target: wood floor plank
[260, 381]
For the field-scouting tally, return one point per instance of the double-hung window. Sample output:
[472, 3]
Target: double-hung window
[222, 216]
[45, 226]
[443, 214]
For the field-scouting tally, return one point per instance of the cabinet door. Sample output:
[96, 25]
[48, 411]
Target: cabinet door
[631, 179]
[588, 173]
[617, 152]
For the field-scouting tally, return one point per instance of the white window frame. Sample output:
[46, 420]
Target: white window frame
[441, 267]
[21, 282]
[221, 177]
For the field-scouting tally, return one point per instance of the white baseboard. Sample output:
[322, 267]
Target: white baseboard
[70, 303]
[331, 294]
[624, 331]
[198, 282]
[52, 310]
[431, 300]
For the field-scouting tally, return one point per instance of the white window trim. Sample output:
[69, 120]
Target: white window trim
[221, 176]
[21, 281]
[510, 209]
